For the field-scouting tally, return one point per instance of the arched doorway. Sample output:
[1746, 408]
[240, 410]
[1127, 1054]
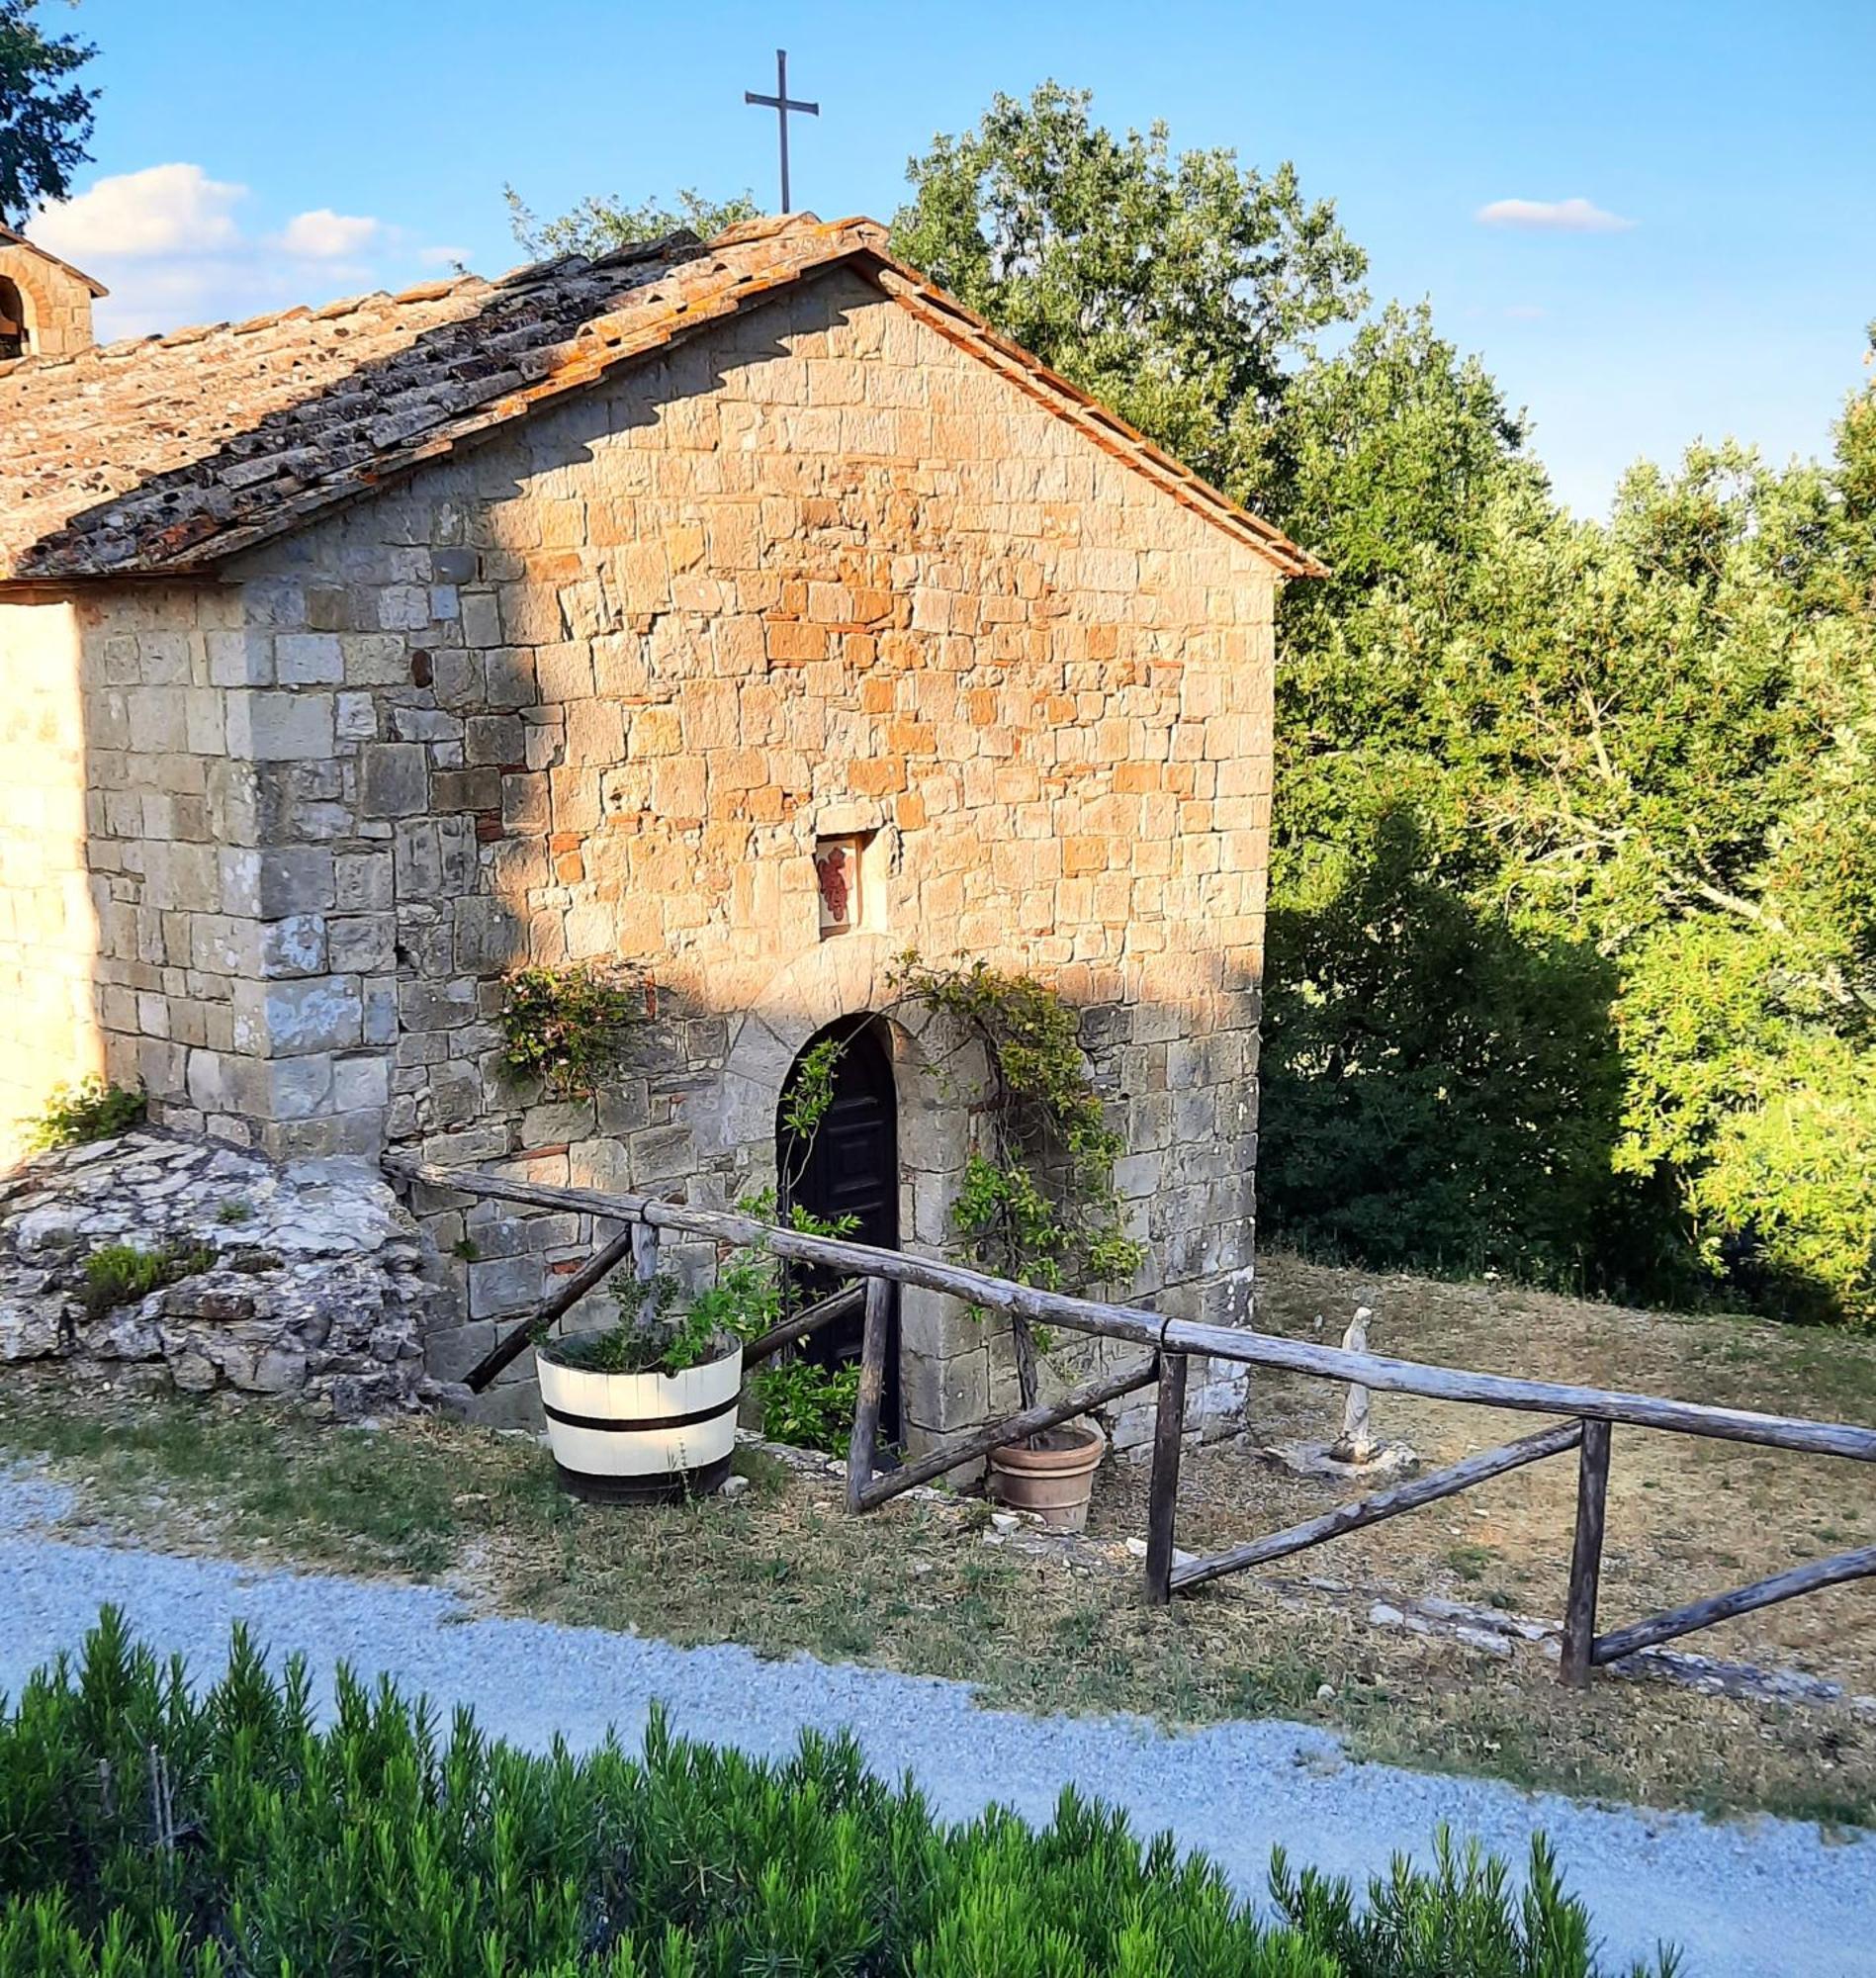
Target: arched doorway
[849, 1167]
[15, 334]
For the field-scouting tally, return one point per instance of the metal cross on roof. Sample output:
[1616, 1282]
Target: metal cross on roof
[782, 103]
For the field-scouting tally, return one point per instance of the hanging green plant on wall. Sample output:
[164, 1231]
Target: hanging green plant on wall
[568, 1027]
[1036, 1202]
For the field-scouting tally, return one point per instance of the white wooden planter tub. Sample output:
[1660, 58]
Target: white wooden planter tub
[638, 1438]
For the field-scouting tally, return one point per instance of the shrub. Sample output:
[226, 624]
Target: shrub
[150, 1831]
[88, 1111]
[568, 1027]
[807, 1405]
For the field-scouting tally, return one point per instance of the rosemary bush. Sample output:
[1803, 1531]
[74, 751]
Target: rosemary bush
[121, 1274]
[150, 1831]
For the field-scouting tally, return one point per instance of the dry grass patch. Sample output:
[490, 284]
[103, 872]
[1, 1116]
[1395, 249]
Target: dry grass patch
[1687, 1517]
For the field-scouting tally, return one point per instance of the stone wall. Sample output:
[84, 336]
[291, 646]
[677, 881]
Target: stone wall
[156, 833]
[305, 1281]
[58, 303]
[48, 938]
[595, 691]
[132, 775]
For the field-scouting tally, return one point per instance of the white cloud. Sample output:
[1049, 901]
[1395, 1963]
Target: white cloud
[326, 235]
[160, 211]
[1552, 215]
[169, 243]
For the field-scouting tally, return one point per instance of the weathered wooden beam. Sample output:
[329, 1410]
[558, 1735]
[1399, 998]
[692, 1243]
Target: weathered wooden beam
[1371, 1510]
[1811, 1578]
[1585, 1558]
[999, 1435]
[1145, 1328]
[599, 1266]
[1162, 1497]
[863, 1446]
[645, 1242]
[808, 1320]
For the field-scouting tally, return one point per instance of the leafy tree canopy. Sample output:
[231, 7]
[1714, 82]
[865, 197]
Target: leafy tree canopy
[1180, 290]
[598, 224]
[46, 117]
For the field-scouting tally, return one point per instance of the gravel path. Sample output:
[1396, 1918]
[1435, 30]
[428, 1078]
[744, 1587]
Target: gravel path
[1764, 1899]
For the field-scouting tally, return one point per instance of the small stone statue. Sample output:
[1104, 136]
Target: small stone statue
[1357, 1453]
[1355, 1444]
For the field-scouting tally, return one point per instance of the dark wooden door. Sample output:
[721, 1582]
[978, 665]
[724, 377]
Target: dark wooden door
[849, 1167]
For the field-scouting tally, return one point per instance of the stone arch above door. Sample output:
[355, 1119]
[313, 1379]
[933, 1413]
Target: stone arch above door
[946, 1375]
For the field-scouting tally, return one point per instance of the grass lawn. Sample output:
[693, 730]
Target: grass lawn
[917, 1586]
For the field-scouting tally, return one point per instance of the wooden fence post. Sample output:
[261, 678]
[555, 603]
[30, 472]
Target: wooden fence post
[1162, 1503]
[863, 1446]
[1586, 1559]
[644, 1263]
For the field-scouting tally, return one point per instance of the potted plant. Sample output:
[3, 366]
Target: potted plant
[644, 1411]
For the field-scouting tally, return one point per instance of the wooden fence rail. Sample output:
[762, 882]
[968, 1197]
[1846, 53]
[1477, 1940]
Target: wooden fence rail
[1590, 1412]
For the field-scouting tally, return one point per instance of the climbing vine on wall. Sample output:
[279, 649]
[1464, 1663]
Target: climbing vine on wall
[1036, 1202]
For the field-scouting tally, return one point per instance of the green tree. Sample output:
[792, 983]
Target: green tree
[1439, 1086]
[46, 117]
[599, 224]
[1180, 290]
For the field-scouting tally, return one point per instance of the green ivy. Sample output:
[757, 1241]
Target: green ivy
[570, 1026]
[91, 1109]
[1036, 1202]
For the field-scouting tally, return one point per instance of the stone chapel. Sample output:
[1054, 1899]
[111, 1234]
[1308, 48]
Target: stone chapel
[353, 656]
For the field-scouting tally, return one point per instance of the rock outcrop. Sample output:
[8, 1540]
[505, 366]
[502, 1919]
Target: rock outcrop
[303, 1280]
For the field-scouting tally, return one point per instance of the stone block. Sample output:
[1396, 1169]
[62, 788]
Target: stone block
[362, 881]
[241, 659]
[360, 1083]
[296, 1018]
[295, 945]
[498, 739]
[394, 780]
[509, 1405]
[362, 945]
[451, 1352]
[309, 658]
[294, 879]
[504, 1285]
[298, 1088]
[281, 727]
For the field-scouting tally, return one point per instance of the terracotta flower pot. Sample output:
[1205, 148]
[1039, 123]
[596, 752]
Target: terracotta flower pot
[1054, 1480]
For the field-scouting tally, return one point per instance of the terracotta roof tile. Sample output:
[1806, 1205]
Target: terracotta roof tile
[166, 454]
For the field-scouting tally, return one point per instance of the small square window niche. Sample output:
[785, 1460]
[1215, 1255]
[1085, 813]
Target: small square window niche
[840, 879]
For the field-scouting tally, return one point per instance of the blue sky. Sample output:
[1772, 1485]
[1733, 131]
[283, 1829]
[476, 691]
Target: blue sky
[318, 148]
